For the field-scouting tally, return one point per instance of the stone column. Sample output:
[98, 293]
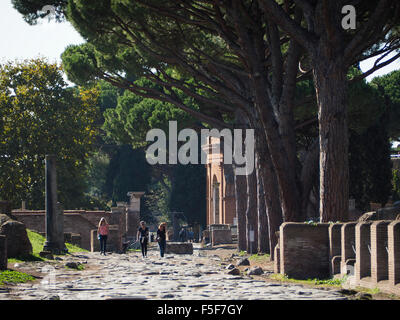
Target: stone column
[3, 252]
[54, 214]
[133, 213]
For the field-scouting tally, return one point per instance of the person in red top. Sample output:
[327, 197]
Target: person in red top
[102, 232]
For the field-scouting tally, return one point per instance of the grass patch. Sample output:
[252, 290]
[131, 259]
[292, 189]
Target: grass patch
[37, 242]
[316, 282]
[260, 258]
[242, 253]
[367, 290]
[9, 276]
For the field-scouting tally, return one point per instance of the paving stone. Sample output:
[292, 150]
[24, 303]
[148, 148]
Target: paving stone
[180, 277]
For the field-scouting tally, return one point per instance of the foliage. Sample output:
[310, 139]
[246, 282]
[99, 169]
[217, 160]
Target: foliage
[127, 171]
[370, 165]
[396, 184]
[192, 204]
[40, 115]
[388, 87]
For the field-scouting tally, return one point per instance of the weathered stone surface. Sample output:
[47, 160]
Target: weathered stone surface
[122, 277]
[234, 272]
[179, 247]
[221, 236]
[72, 265]
[18, 243]
[255, 271]
[243, 262]
[3, 252]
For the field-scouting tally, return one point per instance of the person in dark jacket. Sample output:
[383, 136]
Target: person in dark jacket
[162, 237]
[143, 237]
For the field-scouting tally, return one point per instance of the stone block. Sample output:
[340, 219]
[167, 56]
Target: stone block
[94, 242]
[179, 247]
[221, 236]
[277, 261]
[304, 250]
[3, 252]
[18, 243]
[394, 252]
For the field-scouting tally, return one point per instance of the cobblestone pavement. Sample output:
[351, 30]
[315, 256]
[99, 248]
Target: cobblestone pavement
[185, 277]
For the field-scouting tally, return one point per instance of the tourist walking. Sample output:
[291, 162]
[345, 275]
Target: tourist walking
[143, 237]
[161, 237]
[182, 235]
[102, 232]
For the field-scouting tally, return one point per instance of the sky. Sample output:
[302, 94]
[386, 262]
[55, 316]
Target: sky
[19, 40]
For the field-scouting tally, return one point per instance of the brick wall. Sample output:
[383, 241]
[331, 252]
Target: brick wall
[394, 252]
[304, 250]
[335, 248]
[78, 222]
[348, 242]
[379, 254]
[363, 247]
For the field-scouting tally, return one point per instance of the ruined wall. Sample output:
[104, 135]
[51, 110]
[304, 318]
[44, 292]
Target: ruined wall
[304, 250]
[78, 222]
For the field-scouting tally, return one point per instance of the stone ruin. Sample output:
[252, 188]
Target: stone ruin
[216, 234]
[367, 250]
[14, 241]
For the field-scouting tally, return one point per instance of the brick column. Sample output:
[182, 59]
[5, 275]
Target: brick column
[394, 252]
[348, 242]
[363, 247]
[3, 252]
[379, 255]
[335, 247]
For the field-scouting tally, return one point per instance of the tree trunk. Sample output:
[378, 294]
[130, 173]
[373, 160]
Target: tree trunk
[251, 213]
[263, 228]
[271, 191]
[241, 206]
[330, 84]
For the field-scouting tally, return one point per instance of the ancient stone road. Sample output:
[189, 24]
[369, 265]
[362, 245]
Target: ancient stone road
[173, 277]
